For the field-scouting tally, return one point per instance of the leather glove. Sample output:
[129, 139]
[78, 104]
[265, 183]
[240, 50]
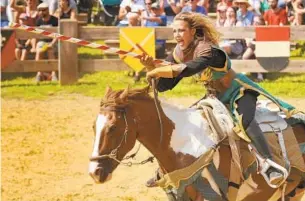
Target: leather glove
[148, 62]
[165, 72]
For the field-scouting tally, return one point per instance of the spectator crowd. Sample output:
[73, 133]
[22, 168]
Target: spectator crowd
[149, 13]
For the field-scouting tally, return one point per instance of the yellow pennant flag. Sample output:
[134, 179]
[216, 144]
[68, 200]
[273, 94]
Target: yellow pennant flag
[138, 40]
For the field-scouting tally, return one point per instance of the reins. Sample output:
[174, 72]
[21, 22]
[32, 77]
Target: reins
[153, 84]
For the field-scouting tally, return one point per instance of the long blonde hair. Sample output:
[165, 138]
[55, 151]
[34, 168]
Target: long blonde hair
[202, 24]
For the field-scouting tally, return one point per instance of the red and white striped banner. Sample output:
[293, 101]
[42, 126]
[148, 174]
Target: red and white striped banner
[82, 42]
[273, 47]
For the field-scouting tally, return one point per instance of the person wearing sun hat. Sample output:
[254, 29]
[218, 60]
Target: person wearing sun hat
[48, 46]
[243, 15]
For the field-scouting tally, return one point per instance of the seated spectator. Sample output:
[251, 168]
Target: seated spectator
[205, 4]
[233, 47]
[127, 9]
[30, 9]
[230, 17]
[192, 6]
[250, 50]
[146, 12]
[154, 19]
[275, 15]
[244, 17]
[264, 6]
[46, 45]
[291, 12]
[134, 19]
[85, 6]
[6, 14]
[227, 3]
[53, 5]
[221, 16]
[255, 6]
[171, 9]
[24, 46]
[64, 11]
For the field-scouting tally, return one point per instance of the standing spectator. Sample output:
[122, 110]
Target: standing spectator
[128, 8]
[6, 14]
[275, 15]
[46, 45]
[111, 10]
[192, 6]
[244, 17]
[64, 11]
[30, 10]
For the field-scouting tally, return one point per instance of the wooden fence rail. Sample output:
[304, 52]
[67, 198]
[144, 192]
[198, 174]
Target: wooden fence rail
[69, 65]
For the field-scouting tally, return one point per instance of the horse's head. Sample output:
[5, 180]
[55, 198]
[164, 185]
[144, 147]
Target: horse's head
[115, 134]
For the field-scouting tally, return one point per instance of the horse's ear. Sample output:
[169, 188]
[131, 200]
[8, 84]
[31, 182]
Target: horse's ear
[124, 94]
[108, 90]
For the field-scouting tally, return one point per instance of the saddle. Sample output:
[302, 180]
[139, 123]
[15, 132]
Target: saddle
[269, 120]
[282, 141]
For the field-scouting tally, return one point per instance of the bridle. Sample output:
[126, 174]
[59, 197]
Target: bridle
[114, 153]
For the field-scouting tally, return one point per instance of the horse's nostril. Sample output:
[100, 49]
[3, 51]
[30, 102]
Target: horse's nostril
[98, 171]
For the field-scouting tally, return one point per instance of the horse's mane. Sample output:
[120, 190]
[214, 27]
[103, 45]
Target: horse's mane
[121, 98]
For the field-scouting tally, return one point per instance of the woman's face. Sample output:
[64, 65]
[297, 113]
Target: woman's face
[222, 13]
[242, 6]
[148, 4]
[230, 13]
[63, 3]
[31, 2]
[183, 34]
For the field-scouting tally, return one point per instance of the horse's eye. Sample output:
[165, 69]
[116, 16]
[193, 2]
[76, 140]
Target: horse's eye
[112, 128]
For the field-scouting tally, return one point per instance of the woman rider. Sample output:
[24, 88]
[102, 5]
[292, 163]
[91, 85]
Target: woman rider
[197, 51]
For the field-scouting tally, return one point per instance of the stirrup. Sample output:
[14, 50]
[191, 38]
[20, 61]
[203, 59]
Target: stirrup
[265, 164]
[151, 183]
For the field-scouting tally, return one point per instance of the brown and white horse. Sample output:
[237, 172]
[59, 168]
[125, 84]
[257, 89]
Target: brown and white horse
[129, 115]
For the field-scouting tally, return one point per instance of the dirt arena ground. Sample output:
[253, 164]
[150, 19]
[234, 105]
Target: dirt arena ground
[45, 150]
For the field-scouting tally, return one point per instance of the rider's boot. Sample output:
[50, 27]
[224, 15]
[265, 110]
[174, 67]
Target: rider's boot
[259, 141]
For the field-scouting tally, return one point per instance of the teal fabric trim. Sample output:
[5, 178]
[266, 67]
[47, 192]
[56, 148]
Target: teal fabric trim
[232, 94]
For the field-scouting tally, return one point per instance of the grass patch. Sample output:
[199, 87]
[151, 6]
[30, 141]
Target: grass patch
[94, 85]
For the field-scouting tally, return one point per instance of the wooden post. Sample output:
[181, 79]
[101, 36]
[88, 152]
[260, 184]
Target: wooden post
[68, 58]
